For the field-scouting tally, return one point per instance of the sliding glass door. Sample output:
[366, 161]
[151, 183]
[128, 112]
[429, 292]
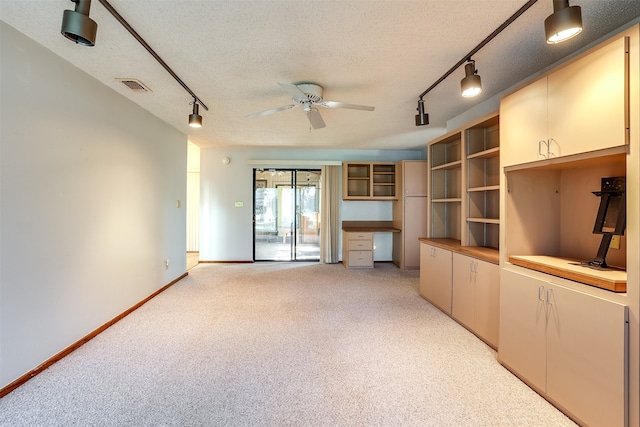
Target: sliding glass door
[286, 217]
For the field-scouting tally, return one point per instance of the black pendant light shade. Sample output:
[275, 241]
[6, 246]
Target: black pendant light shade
[195, 119]
[564, 23]
[77, 26]
[422, 118]
[470, 85]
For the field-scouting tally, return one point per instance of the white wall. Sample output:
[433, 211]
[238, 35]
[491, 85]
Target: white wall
[89, 191]
[226, 232]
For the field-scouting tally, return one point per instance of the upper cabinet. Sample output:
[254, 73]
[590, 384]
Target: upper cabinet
[369, 181]
[414, 178]
[554, 116]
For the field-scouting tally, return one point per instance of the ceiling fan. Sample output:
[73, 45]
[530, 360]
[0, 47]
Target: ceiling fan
[309, 95]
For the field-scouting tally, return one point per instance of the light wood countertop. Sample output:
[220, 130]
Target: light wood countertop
[491, 255]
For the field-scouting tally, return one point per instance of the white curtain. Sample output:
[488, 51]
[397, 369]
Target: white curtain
[330, 214]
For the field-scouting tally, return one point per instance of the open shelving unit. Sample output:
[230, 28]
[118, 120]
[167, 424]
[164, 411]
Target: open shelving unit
[483, 183]
[445, 169]
[369, 181]
[464, 167]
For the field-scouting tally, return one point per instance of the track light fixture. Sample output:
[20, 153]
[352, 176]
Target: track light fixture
[470, 85]
[195, 119]
[422, 118]
[77, 26]
[564, 23]
[471, 76]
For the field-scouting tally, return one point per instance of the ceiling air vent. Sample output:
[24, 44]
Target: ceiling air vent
[135, 85]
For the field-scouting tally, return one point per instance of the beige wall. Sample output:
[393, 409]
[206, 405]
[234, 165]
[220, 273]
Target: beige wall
[90, 184]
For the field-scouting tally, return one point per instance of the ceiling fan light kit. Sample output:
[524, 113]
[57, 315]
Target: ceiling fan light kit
[309, 95]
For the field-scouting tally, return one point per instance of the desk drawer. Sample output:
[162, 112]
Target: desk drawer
[360, 259]
[360, 245]
[360, 236]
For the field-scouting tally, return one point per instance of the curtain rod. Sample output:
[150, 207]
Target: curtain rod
[490, 37]
[137, 36]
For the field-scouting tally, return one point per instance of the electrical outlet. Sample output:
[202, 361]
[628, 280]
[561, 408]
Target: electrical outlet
[615, 242]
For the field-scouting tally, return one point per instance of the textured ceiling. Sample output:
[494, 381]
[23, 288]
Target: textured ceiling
[233, 54]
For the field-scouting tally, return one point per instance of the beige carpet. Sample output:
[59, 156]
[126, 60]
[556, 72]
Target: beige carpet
[282, 344]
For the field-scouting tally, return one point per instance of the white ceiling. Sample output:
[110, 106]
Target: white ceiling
[233, 54]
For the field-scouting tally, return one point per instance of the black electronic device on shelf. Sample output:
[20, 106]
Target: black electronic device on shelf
[611, 218]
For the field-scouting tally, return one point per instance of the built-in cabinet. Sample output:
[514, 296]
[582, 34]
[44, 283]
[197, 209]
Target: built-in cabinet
[464, 184]
[410, 213]
[475, 296]
[369, 181]
[567, 344]
[570, 338]
[445, 174]
[580, 107]
[483, 184]
[464, 225]
[436, 266]
[357, 249]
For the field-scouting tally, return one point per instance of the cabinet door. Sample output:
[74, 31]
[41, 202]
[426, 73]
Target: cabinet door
[415, 178]
[586, 356]
[463, 292]
[441, 263]
[414, 226]
[523, 123]
[487, 301]
[426, 274]
[523, 327]
[587, 102]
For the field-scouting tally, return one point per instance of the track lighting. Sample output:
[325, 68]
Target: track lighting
[422, 118]
[471, 79]
[470, 85]
[195, 119]
[77, 26]
[564, 23]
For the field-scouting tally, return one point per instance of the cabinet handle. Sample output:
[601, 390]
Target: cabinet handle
[549, 295]
[549, 153]
[542, 141]
[540, 291]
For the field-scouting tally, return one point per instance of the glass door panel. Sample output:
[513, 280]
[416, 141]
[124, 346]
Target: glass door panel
[308, 215]
[286, 215]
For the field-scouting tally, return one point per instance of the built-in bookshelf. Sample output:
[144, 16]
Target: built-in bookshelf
[369, 181]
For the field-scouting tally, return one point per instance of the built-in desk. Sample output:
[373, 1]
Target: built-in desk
[357, 241]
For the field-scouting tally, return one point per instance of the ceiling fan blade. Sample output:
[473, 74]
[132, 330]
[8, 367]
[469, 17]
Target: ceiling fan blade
[334, 104]
[293, 90]
[315, 119]
[274, 110]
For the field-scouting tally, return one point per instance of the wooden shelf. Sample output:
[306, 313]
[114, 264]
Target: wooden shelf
[612, 279]
[450, 165]
[454, 200]
[487, 188]
[484, 220]
[486, 154]
[369, 181]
